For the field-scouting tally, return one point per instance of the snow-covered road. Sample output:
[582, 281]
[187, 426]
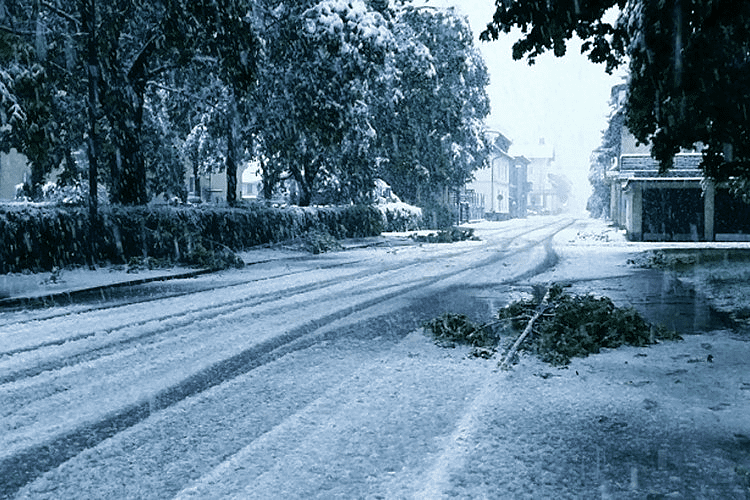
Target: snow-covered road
[160, 397]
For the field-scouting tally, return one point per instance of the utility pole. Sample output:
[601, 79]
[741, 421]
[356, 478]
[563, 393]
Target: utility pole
[492, 183]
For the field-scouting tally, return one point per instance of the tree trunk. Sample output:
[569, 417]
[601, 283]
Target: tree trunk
[37, 181]
[305, 177]
[114, 177]
[92, 73]
[197, 185]
[132, 168]
[124, 104]
[231, 162]
[305, 196]
[135, 171]
[124, 107]
[270, 178]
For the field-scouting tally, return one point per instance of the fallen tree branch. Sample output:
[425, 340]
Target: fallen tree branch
[541, 308]
[503, 320]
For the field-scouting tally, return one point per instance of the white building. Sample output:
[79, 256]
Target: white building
[501, 185]
[544, 197]
[14, 170]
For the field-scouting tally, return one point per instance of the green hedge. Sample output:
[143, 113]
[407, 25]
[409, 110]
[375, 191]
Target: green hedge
[41, 238]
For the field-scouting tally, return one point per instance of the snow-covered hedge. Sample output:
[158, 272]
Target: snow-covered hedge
[399, 216]
[41, 238]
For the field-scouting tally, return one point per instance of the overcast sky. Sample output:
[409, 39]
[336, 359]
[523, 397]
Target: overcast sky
[564, 100]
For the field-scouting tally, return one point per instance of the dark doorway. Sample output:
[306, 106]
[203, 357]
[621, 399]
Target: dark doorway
[673, 214]
[732, 215]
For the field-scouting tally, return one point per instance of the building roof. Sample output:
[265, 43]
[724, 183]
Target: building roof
[686, 166]
[534, 151]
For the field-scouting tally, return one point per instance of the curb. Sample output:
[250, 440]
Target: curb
[46, 299]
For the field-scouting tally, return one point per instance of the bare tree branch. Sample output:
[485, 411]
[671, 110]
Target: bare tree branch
[183, 93]
[62, 13]
[14, 31]
[541, 308]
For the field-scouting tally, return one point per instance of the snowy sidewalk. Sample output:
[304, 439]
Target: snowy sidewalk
[18, 289]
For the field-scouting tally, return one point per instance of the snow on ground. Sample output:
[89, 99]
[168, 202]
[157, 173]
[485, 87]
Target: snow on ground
[364, 412]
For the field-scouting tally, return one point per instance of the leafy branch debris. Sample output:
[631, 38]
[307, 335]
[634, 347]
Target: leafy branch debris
[451, 235]
[556, 328]
[451, 329]
[317, 241]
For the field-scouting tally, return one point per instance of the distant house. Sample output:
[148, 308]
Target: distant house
[13, 171]
[677, 205]
[500, 190]
[252, 183]
[543, 197]
[212, 187]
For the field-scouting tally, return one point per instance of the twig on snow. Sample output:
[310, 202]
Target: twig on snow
[541, 308]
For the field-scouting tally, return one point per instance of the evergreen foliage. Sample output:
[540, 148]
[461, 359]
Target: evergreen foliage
[450, 329]
[575, 325]
[452, 235]
[315, 93]
[689, 62]
[431, 121]
[134, 46]
[318, 241]
[603, 158]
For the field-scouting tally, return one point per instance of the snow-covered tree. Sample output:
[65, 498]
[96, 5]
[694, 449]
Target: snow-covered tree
[431, 122]
[133, 45]
[315, 95]
[205, 144]
[162, 147]
[139, 43]
[232, 42]
[334, 100]
[39, 112]
[603, 157]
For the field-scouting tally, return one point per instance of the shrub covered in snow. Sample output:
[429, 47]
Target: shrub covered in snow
[397, 215]
[40, 238]
[401, 216]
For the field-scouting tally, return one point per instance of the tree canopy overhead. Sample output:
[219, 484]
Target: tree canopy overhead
[549, 24]
[688, 61]
[322, 95]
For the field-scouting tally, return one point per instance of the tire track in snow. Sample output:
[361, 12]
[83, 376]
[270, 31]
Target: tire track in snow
[21, 468]
[161, 331]
[206, 310]
[128, 289]
[142, 300]
[209, 310]
[25, 466]
[453, 456]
